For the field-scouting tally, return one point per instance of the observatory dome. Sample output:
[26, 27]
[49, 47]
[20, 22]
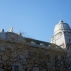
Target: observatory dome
[61, 26]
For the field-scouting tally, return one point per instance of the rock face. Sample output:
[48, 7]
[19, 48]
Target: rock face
[22, 55]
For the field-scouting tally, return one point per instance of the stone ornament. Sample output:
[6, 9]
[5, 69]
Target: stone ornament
[11, 29]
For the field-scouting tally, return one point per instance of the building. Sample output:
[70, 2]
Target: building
[18, 53]
[62, 34]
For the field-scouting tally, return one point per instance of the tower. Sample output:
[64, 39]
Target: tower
[62, 34]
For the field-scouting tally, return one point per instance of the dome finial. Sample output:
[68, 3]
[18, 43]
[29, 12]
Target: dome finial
[60, 21]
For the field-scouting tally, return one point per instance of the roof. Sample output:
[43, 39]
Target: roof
[61, 26]
[38, 42]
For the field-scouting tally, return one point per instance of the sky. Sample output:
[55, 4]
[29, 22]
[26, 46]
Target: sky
[34, 18]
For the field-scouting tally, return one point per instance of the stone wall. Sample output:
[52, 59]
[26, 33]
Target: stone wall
[25, 57]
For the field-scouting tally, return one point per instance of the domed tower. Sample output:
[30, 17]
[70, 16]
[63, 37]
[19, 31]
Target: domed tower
[62, 34]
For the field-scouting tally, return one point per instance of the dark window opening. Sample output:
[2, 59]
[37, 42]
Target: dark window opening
[16, 68]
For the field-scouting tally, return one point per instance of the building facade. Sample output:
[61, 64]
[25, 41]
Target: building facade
[18, 53]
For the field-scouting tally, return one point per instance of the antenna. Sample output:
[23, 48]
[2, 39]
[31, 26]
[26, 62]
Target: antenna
[60, 16]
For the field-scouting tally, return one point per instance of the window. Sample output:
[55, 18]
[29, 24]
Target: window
[16, 68]
[69, 40]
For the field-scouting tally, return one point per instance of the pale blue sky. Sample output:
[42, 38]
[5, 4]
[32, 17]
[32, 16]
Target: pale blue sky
[37, 18]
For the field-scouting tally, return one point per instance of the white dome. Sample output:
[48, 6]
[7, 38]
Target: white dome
[61, 26]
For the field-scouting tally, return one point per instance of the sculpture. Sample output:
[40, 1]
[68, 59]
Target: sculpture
[11, 29]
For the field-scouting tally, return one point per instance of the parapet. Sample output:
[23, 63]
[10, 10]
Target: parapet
[18, 38]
